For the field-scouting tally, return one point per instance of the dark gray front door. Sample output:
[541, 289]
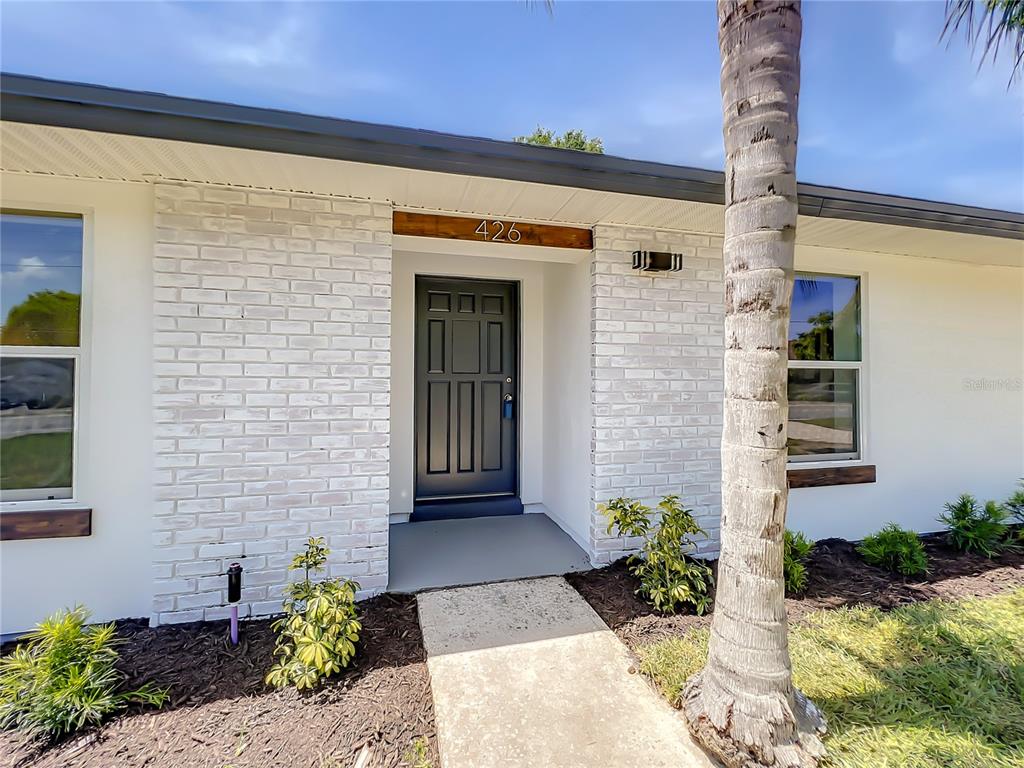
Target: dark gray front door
[466, 390]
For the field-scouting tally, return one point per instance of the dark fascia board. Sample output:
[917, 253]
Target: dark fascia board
[26, 99]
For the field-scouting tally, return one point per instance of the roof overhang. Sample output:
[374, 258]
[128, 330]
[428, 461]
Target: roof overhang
[96, 108]
[74, 129]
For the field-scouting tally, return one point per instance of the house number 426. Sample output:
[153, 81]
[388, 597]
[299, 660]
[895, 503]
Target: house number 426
[498, 233]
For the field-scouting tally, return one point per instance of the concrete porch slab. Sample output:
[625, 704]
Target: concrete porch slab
[448, 553]
[525, 674]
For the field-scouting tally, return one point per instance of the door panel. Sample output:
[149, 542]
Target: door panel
[438, 419]
[494, 351]
[466, 359]
[435, 346]
[490, 427]
[464, 427]
[465, 346]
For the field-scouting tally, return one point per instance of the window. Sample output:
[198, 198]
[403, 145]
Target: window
[40, 316]
[824, 368]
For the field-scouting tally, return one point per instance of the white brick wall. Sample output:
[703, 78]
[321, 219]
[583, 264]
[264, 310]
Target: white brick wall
[657, 378]
[272, 383]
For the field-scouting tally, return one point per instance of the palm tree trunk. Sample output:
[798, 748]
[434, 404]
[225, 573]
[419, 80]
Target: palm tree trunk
[742, 706]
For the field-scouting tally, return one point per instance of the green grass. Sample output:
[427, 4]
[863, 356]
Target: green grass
[36, 461]
[935, 684]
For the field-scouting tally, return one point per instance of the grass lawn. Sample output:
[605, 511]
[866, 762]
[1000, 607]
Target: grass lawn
[36, 461]
[934, 684]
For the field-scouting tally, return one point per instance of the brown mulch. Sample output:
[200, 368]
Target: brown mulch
[221, 714]
[837, 576]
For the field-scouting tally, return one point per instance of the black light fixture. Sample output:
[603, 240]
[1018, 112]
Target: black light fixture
[657, 261]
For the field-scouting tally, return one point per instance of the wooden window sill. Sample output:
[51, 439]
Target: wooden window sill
[818, 477]
[55, 523]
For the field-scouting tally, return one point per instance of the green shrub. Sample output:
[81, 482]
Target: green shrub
[976, 529]
[1015, 504]
[895, 549]
[318, 634]
[418, 756]
[63, 678]
[796, 548]
[668, 578]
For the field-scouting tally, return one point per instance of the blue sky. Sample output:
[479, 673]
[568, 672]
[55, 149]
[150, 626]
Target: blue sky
[39, 253]
[884, 106]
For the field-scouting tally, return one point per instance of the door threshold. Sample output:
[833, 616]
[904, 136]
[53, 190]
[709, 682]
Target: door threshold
[460, 509]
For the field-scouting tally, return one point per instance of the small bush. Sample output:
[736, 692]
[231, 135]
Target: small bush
[418, 756]
[895, 549]
[976, 529]
[63, 678]
[796, 548]
[1015, 504]
[668, 578]
[318, 634]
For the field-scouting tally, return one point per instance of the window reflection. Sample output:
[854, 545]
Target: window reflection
[36, 427]
[822, 412]
[40, 279]
[825, 320]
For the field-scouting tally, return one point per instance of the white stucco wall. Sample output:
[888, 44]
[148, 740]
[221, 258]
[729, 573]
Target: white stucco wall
[943, 402]
[109, 571]
[407, 264]
[568, 411]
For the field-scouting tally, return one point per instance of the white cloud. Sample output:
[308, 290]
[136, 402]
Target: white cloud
[994, 189]
[29, 268]
[280, 46]
[678, 106]
[285, 50]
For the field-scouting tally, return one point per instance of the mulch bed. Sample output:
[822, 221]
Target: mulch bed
[221, 714]
[837, 576]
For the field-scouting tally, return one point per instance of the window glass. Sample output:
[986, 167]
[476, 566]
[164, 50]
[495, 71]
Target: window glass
[822, 412]
[37, 397]
[40, 279]
[825, 320]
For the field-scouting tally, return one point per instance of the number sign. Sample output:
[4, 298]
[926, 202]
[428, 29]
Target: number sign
[491, 230]
[498, 233]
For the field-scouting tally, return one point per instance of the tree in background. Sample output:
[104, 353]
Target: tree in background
[578, 140]
[990, 24]
[45, 318]
[817, 343]
[742, 707]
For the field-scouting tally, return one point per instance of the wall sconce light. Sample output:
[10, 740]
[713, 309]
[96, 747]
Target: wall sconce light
[657, 261]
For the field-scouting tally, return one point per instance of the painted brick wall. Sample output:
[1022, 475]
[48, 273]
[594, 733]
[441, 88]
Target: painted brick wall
[657, 378]
[272, 383]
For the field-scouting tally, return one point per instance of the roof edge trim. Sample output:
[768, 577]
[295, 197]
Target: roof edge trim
[27, 99]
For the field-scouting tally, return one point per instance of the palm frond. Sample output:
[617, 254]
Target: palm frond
[549, 6]
[988, 25]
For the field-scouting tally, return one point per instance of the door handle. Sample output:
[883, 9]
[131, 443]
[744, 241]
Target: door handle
[506, 407]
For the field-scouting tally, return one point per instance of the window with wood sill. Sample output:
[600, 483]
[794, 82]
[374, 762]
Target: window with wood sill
[825, 382]
[41, 256]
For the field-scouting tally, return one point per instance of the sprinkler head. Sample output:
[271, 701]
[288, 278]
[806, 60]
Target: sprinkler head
[234, 582]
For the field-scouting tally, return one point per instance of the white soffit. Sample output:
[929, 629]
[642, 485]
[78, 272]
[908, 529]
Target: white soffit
[910, 241]
[29, 148]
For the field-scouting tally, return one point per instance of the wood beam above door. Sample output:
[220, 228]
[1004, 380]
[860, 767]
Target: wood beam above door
[491, 230]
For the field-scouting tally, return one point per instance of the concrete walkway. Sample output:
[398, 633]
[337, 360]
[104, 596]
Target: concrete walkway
[526, 675]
